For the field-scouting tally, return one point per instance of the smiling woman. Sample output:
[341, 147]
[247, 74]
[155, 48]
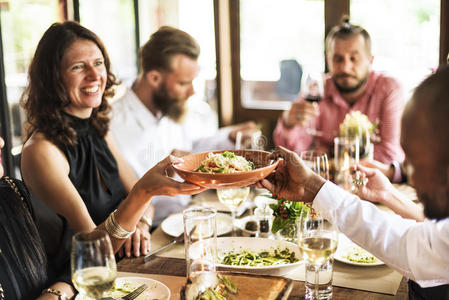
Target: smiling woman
[84, 76]
[70, 161]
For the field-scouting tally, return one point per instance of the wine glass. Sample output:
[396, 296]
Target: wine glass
[93, 264]
[232, 198]
[317, 161]
[312, 90]
[317, 239]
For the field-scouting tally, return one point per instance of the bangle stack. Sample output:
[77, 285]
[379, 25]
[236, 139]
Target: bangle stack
[114, 228]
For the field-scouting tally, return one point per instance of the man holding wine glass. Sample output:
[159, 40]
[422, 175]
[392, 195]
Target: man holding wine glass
[416, 250]
[351, 85]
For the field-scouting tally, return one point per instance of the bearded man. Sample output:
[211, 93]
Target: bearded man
[351, 85]
[154, 118]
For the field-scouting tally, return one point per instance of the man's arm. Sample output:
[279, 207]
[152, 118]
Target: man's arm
[389, 148]
[416, 250]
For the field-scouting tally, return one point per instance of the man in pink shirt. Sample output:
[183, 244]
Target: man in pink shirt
[350, 86]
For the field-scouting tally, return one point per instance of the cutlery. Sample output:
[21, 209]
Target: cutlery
[176, 240]
[133, 295]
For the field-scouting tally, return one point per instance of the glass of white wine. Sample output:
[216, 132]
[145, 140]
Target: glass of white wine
[93, 264]
[232, 198]
[317, 239]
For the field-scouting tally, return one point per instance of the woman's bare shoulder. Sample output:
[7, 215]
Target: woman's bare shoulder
[38, 147]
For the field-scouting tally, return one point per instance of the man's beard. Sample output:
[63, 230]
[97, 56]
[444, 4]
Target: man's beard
[348, 90]
[172, 107]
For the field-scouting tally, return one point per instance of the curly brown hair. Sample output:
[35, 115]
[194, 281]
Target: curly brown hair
[45, 96]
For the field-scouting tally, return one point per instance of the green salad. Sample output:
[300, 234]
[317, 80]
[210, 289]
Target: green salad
[360, 255]
[261, 259]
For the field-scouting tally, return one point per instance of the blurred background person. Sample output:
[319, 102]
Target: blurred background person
[351, 86]
[154, 119]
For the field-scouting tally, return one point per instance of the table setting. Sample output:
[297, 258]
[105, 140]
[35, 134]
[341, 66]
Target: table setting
[208, 242]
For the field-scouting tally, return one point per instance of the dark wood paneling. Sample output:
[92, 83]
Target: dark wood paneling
[444, 31]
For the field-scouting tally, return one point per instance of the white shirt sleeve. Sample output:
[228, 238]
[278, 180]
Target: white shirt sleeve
[220, 141]
[419, 251]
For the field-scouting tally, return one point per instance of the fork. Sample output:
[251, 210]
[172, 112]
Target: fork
[131, 296]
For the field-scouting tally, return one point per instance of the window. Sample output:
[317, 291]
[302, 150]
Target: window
[405, 36]
[279, 41]
[113, 21]
[23, 22]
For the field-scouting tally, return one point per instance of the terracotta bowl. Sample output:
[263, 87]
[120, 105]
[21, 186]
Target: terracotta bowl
[264, 166]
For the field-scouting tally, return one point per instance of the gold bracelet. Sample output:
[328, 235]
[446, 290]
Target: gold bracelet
[114, 228]
[61, 295]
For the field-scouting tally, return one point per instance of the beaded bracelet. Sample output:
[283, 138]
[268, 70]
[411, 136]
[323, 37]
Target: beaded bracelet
[114, 228]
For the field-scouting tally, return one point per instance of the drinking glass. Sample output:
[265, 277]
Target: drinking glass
[346, 151]
[232, 198]
[312, 87]
[92, 264]
[200, 239]
[317, 239]
[317, 161]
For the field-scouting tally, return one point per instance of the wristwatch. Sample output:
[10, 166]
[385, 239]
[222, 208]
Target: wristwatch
[147, 220]
[61, 295]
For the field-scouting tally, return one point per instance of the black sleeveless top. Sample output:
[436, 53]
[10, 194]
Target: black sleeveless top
[94, 173]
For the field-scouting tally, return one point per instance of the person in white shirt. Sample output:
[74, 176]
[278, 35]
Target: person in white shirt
[154, 119]
[418, 250]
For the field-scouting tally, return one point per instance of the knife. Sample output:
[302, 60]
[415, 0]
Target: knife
[176, 240]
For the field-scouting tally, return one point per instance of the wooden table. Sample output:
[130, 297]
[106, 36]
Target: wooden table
[171, 271]
[176, 269]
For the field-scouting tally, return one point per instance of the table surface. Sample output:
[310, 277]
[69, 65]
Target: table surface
[175, 268]
[171, 271]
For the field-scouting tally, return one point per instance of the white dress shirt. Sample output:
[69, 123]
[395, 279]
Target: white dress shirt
[145, 139]
[420, 251]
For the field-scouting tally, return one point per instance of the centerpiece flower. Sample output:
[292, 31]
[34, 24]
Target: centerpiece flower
[357, 124]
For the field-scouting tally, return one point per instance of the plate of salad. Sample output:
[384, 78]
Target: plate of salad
[350, 253]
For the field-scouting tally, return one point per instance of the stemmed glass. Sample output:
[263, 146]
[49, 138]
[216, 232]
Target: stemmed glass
[318, 239]
[312, 90]
[317, 161]
[232, 198]
[93, 264]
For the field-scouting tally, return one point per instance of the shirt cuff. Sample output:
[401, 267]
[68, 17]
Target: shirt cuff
[397, 174]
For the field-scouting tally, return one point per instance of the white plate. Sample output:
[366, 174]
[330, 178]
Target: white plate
[238, 244]
[173, 225]
[345, 246]
[155, 290]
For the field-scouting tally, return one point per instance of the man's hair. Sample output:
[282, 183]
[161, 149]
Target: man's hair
[345, 31]
[45, 96]
[156, 54]
[432, 99]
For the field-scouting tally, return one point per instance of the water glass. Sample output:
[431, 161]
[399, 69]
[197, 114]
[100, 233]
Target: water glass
[93, 264]
[200, 240]
[317, 239]
[317, 161]
[346, 158]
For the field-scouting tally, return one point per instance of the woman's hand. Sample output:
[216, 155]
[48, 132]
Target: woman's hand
[292, 180]
[139, 242]
[156, 181]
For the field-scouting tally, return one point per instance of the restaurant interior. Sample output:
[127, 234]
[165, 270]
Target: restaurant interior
[255, 58]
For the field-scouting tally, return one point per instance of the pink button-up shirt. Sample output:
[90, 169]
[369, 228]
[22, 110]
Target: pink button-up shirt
[382, 102]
